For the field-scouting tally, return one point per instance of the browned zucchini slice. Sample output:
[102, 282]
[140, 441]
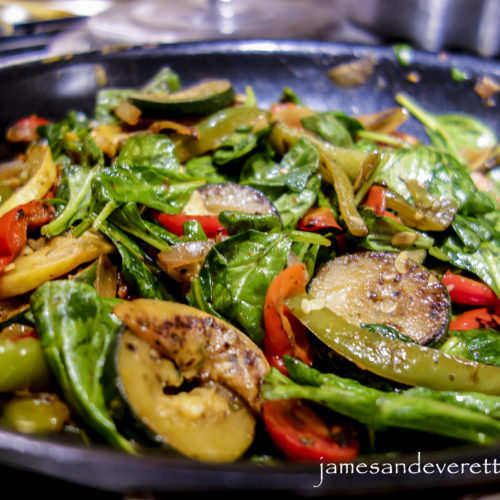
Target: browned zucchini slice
[386, 288]
[148, 403]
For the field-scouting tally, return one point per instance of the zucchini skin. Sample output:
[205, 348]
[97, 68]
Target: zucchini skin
[156, 105]
[126, 419]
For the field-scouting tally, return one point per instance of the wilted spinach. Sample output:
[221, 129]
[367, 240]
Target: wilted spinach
[292, 185]
[202, 167]
[451, 133]
[385, 233]
[234, 146]
[70, 141]
[334, 127]
[236, 275]
[75, 328]
[441, 174]
[137, 268]
[146, 171]
[128, 219]
[75, 190]
[481, 345]
[237, 222]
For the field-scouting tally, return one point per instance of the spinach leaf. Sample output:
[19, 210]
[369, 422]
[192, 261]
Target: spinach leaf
[473, 231]
[237, 222]
[234, 146]
[192, 230]
[451, 133]
[292, 185]
[75, 190]
[288, 95]
[293, 206]
[388, 235]
[75, 329]
[147, 185]
[388, 331]
[293, 172]
[236, 275]
[165, 80]
[441, 174]
[152, 150]
[202, 167]
[334, 127]
[137, 268]
[307, 253]
[128, 219]
[146, 171]
[70, 141]
[481, 345]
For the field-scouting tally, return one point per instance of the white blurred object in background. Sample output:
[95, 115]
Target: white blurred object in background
[164, 21]
[433, 24]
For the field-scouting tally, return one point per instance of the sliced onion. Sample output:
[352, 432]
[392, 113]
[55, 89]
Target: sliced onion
[127, 112]
[385, 121]
[184, 260]
[290, 115]
[180, 128]
[353, 72]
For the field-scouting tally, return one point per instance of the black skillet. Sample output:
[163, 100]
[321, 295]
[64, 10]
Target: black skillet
[50, 88]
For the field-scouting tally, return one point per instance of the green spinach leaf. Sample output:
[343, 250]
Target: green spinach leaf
[236, 275]
[334, 127]
[481, 345]
[451, 133]
[75, 329]
[137, 268]
[75, 189]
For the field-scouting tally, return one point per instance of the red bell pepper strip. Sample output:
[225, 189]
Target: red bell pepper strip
[14, 227]
[318, 218]
[25, 130]
[468, 291]
[302, 435]
[38, 213]
[13, 232]
[376, 199]
[284, 333]
[476, 318]
[174, 222]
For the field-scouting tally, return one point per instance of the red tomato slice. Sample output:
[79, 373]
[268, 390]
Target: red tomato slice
[13, 232]
[318, 218]
[476, 318]
[284, 333]
[468, 291]
[302, 435]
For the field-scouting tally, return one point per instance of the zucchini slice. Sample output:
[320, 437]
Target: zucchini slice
[144, 394]
[385, 288]
[202, 99]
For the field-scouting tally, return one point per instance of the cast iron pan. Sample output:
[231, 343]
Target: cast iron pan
[51, 88]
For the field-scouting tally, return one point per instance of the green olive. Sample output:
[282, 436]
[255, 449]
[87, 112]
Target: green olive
[35, 414]
[22, 365]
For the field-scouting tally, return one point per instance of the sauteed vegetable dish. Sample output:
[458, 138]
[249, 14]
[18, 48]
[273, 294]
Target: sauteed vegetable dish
[188, 272]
